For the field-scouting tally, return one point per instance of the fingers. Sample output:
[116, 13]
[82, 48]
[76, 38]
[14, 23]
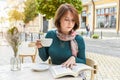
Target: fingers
[38, 44]
[71, 66]
[69, 63]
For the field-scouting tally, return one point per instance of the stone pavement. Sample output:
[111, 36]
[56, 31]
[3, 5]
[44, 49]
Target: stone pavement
[108, 66]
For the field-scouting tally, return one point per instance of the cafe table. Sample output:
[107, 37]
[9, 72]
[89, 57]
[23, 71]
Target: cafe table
[26, 73]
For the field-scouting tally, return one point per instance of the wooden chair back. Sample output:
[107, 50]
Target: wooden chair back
[28, 49]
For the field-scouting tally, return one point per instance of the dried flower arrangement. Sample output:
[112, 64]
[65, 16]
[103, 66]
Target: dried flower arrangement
[12, 36]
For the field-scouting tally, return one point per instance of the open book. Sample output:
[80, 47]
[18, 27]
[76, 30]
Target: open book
[59, 71]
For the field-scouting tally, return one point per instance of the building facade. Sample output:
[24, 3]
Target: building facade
[100, 14]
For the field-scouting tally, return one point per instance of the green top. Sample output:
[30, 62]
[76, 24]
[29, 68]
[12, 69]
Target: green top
[60, 51]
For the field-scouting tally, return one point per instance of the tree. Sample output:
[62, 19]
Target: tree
[30, 10]
[49, 7]
[15, 15]
[2, 19]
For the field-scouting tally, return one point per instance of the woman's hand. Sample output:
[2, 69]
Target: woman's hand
[38, 44]
[70, 62]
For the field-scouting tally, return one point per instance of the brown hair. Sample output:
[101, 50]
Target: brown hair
[62, 10]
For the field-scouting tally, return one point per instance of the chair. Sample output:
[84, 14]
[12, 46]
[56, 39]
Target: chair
[27, 49]
[89, 62]
[93, 64]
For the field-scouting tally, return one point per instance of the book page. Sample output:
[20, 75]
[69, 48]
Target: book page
[80, 67]
[59, 71]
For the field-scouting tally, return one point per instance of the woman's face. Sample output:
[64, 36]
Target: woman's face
[67, 23]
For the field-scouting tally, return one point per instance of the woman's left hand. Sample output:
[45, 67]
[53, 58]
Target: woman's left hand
[70, 62]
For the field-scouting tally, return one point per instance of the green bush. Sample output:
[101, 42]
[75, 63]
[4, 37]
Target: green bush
[95, 36]
[82, 33]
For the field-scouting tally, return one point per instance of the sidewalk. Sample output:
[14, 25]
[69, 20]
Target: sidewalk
[108, 66]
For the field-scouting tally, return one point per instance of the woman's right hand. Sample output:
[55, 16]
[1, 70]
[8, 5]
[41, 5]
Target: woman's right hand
[38, 44]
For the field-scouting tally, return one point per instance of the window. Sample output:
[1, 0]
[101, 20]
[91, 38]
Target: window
[111, 10]
[98, 11]
[107, 10]
[84, 13]
[114, 10]
[102, 11]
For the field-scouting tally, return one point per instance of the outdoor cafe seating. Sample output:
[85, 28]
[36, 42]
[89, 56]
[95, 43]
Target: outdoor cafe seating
[27, 49]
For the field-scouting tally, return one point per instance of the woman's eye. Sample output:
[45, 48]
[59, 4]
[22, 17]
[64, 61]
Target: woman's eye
[73, 20]
[66, 19]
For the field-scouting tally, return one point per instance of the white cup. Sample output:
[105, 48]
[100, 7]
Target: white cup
[46, 42]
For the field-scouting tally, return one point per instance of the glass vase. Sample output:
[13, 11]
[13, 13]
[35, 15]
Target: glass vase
[15, 63]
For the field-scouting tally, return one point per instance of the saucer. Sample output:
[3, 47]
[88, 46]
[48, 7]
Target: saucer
[40, 67]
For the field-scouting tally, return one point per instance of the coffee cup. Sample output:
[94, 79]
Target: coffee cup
[46, 42]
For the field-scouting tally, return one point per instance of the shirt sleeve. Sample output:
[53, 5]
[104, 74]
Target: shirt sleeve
[80, 58]
[43, 52]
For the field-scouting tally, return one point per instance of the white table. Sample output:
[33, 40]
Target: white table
[26, 73]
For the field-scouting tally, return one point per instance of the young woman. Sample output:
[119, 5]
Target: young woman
[67, 47]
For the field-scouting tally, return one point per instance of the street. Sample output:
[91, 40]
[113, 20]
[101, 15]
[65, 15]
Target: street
[103, 46]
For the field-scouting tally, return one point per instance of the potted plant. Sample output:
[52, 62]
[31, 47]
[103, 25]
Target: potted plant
[12, 37]
[95, 36]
